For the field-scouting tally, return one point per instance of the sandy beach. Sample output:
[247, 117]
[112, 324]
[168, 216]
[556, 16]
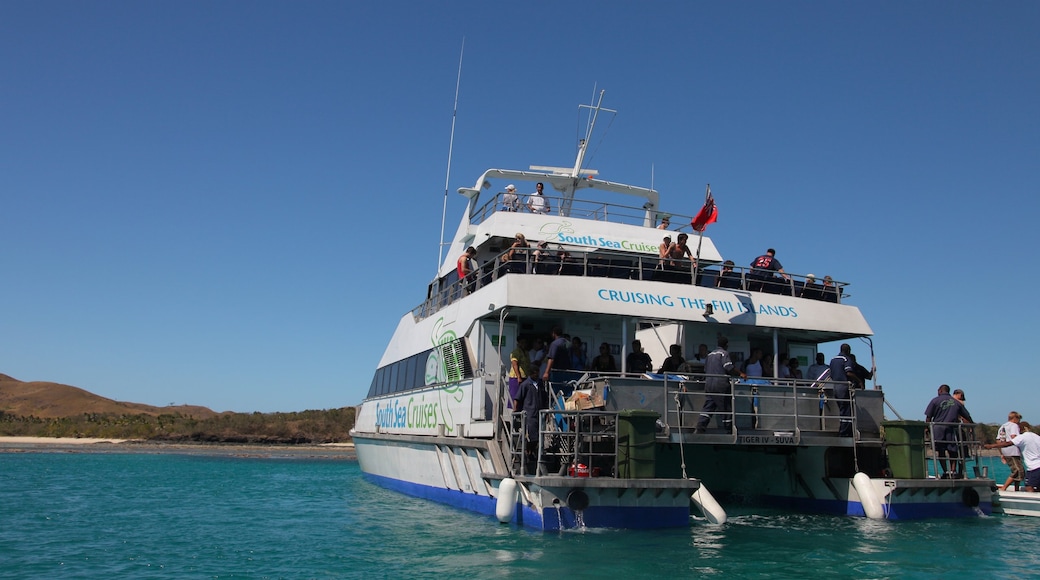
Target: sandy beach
[91, 445]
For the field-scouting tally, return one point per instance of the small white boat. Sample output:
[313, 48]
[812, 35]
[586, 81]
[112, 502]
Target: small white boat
[1016, 503]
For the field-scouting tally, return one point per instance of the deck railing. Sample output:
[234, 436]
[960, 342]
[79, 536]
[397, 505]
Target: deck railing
[556, 261]
[583, 441]
[965, 446]
[793, 410]
[581, 209]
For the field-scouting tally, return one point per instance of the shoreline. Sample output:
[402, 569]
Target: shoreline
[342, 451]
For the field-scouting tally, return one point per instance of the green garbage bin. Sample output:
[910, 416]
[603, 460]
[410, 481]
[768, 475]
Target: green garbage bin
[905, 442]
[637, 429]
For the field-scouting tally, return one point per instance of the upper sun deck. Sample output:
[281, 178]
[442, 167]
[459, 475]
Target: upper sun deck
[598, 239]
[580, 214]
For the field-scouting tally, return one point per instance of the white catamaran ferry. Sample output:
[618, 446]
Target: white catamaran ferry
[620, 449]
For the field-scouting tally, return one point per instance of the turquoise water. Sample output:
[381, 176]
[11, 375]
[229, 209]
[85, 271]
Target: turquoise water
[102, 515]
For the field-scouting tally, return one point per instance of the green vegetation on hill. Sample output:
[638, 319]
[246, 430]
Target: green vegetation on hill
[331, 426]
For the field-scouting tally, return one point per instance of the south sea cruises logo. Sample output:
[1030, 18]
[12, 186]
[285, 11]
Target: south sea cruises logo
[417, 413]
[563, 232]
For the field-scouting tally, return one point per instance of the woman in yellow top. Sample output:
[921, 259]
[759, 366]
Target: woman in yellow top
[518, 363]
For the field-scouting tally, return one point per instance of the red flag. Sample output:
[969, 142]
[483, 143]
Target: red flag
[708, 214]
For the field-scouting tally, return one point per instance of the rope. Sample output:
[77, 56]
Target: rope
[679, 425]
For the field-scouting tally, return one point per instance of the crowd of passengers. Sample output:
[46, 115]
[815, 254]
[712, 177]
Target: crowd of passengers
[675, 264]
[560, 351]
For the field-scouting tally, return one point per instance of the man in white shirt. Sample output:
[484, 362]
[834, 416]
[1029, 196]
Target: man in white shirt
[1011, 455]
[816, 370]
[537, 202]
[1029, 444]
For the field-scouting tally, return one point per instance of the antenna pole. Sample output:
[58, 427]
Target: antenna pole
[594, 113]
[447, 175]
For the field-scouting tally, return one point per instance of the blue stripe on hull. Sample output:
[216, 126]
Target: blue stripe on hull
[897, 511]
[594, 517]
[467, 501]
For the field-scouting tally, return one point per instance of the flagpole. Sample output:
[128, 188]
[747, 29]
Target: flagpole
[700, 234]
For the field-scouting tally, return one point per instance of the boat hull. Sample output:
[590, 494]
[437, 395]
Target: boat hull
[1017, 503]
[820, 480]
[457, 472]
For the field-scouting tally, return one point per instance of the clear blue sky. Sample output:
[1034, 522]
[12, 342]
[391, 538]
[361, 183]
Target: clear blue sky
[231, 204]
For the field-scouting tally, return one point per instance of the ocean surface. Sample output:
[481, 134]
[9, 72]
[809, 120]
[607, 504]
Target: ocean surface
[195, 515]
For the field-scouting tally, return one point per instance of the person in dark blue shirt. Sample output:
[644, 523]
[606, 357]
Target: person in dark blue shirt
[762, 273]
[718, 391]
[532, 398]
[946, 412]
[637, 361]
[843, 373]
[559, 356]
[728, 278]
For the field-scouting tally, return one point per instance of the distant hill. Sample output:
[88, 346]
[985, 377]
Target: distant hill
[52, 401]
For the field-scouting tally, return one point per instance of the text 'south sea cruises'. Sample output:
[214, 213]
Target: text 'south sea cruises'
[619, 449]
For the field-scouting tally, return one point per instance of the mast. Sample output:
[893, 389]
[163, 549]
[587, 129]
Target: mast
[447, 175]
[567, 198]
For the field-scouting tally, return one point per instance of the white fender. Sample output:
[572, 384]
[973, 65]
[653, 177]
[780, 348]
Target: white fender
[868, 496]
[505, 505]
[711, 509]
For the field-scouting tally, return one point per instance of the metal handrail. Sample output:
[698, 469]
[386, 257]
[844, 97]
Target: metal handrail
[601, 263]
[968, 446]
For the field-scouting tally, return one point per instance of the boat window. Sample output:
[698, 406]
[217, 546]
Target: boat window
[408, 378]
[374, 387]
[410, 373]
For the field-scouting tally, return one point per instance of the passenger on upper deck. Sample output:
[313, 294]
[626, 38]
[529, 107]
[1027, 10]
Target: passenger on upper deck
[728, 278]
[665, 223]
[674, 360]
[467, 272]
[762, 276]
[568, 266]
[543, 260]
[662, 252]
[638, 362]
[516, 257]
[604, 363]
[810, 289]
[676, 263]
[536, 202]
[511, 201]
[829, 292]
